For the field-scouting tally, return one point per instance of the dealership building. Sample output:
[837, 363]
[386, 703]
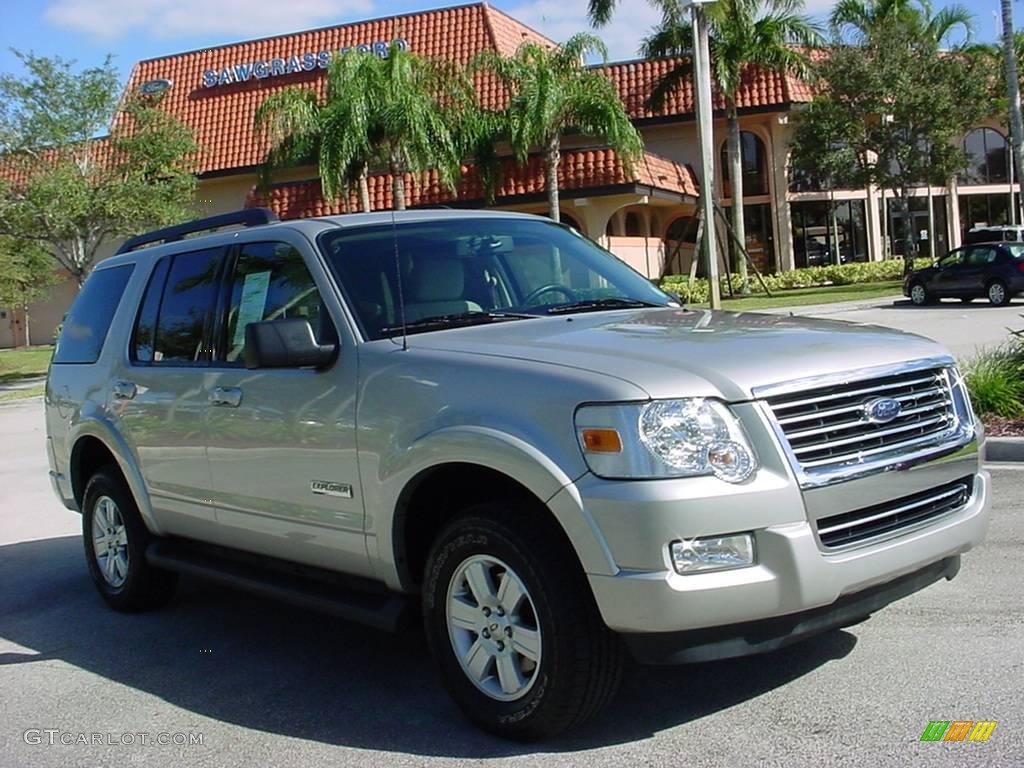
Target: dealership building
[643, 214]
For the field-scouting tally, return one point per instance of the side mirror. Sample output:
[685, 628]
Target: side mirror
[285, 344]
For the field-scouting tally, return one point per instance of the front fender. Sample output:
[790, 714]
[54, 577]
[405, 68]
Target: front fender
[501, 452]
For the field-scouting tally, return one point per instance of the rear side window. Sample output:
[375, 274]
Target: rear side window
[87, 323]
[176, 310]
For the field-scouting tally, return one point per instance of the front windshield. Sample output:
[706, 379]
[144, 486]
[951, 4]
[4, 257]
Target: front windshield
[484, 268]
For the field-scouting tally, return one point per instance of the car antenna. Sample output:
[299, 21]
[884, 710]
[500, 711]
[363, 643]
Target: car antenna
[398, 279]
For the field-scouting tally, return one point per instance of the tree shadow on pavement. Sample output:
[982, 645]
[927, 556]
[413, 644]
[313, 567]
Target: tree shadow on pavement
[271, 667]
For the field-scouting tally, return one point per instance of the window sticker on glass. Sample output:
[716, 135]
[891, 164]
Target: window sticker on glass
[252, 303]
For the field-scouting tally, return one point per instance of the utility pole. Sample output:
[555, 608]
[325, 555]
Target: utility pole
[705, 126]
[1013, 96]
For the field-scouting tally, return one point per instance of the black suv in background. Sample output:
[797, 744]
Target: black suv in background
[993, 270]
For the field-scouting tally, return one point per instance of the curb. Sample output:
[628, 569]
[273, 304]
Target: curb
[1004, 449]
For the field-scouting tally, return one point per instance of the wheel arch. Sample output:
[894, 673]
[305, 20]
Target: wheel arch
[480, 465]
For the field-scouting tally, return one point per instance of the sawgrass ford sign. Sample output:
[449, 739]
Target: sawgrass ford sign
[300, 62]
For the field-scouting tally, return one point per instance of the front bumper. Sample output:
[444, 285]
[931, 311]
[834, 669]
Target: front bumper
[793, 574]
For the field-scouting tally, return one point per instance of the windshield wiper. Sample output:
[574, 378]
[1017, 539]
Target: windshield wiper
[457, 320]
[595, 305]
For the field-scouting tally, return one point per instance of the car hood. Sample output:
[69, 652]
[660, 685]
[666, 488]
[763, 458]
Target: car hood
[683, 352]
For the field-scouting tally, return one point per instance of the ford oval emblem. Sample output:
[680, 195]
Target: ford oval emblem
[882, 410]
[154, 87]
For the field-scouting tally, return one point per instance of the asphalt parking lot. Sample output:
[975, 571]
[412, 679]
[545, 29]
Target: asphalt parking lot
[266, 684]
[963, 328]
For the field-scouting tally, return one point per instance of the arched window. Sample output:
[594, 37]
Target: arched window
[565, 218]
[988, 161]
[682, 230]
[633, 226]
[755, 176]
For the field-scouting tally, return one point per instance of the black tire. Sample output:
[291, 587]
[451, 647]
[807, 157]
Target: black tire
[998, 294]
[140, 586]
[919, 295]
[580, 659]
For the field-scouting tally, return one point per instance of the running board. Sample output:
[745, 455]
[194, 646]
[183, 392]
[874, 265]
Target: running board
[306, 587]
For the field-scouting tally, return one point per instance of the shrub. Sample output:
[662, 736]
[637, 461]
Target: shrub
[995, 380]
[806, 277]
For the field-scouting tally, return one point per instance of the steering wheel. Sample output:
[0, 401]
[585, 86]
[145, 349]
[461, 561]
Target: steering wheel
[549, 288]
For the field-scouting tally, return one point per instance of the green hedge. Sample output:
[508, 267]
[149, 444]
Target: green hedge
[807, 277]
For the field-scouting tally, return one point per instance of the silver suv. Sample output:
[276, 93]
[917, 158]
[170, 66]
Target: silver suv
[487, 421]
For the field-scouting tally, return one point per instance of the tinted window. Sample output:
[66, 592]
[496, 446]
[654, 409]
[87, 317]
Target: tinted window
[87, 323]
[189, 293]
[979, 257]
[145, 325]
[271, 282]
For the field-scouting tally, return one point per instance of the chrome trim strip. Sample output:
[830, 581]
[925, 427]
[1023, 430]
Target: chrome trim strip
[860, 439]
[856, 392]
[960, 489]
[833, 379]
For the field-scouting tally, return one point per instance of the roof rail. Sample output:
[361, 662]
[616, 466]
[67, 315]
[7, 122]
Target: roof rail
[248, 217]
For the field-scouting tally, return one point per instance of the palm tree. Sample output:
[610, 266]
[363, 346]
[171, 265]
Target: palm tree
[552, 91]
[397, 111]
[857, 18]
[743, 33]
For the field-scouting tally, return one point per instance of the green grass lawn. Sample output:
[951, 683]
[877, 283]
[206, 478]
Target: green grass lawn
[796, 297]
[24, 363]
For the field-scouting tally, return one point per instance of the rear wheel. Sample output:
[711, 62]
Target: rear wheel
[513, 627]
[919, 294]
[115, 539]
[997, 294]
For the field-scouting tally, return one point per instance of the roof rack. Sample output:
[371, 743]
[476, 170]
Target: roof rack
[248, 217]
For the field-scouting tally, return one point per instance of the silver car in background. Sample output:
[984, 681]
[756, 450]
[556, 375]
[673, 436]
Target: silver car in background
[486, 422]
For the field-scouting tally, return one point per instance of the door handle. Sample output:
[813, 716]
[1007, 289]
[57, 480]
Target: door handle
[124, 390]
[229, 397]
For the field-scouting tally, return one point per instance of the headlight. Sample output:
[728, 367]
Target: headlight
[665, 438]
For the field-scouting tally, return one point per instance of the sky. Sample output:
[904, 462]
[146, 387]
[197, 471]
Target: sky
[131, 30]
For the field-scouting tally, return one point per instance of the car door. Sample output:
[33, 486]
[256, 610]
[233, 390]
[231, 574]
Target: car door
[159, 393]
[282, 445]
[977, 269]
[948, 275]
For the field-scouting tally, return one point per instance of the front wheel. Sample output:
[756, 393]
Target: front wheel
[513, 627]
[997, 294]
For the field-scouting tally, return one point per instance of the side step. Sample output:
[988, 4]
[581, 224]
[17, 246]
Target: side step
[307, 587]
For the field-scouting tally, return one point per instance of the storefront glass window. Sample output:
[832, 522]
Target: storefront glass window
[987, 158]
[755, 177]
[819, 238]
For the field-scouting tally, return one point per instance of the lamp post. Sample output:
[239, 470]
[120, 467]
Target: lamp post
[702, 85]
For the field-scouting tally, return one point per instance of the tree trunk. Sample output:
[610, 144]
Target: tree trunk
[739, 261]
[397, 182]
[346, 197]
[28, 334]
[364, 191]
[1013, 96]
[908, 233]
[552, 157]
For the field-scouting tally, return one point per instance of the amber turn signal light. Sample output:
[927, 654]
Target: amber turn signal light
[602, 441]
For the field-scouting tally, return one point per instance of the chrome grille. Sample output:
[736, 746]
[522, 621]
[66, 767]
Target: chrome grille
[893, 516]
[829, 426]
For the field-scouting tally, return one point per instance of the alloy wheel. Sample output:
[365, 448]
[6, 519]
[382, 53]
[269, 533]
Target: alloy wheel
[493, 627]
[110, 541]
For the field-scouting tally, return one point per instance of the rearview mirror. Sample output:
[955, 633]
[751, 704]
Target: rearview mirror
[285, 344]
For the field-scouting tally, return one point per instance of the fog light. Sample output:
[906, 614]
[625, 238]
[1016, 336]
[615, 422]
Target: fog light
[714, 553]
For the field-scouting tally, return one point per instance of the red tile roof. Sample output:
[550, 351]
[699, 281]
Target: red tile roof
[579, 170]
[222, 116]
[635, 81]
